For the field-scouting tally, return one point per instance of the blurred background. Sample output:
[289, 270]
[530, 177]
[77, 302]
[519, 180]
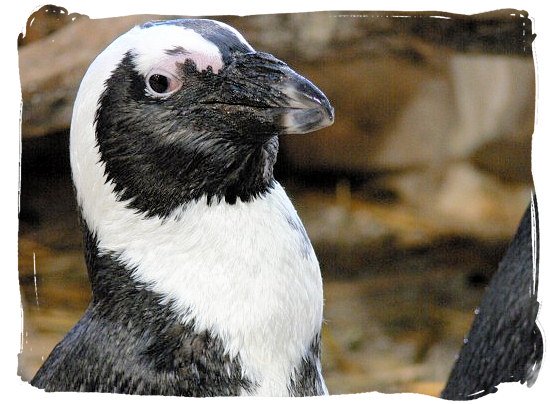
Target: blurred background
[410, 198]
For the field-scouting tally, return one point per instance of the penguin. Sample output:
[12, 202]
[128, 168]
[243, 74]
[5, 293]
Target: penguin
[504, 343]
[204, 281]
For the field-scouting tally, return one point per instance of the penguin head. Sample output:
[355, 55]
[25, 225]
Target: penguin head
[174, 111]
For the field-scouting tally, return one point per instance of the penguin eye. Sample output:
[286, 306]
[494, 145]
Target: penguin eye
[161, 83]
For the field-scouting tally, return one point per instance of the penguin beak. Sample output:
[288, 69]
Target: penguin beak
[280, 97]
[308, 110]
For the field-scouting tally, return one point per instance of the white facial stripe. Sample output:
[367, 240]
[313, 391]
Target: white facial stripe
[94, 196]
[153, 43]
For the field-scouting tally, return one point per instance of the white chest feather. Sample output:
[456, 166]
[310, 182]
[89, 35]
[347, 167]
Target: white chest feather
[240, 271]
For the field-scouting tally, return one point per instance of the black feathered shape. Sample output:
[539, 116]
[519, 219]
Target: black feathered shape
[504, 343]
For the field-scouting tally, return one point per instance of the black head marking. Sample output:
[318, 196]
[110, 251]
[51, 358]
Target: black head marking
[162, 154]
[177, 50]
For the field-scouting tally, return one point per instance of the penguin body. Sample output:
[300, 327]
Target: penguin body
[504, 343]
[204, 282]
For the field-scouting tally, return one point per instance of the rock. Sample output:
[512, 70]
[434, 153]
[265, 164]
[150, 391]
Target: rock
[500, 157]
[27, 250]
[310, 35]
[464, 200]
[392, 114]
[494, 98]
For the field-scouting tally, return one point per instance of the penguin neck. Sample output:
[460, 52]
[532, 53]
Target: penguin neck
[246, 175]
[170, 174]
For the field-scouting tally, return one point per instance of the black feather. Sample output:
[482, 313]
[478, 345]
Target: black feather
[161, 154]
[504, 343]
